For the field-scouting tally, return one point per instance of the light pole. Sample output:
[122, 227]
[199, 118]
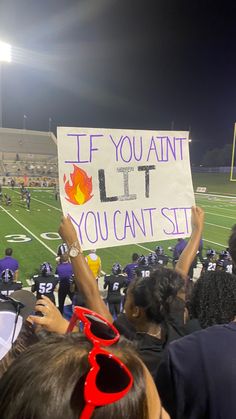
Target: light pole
[5, 56]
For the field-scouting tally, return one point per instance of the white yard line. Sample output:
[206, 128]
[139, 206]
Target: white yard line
[45, 203]
[29, 231]
[220, 215]
[217, 207]
[218, 244]
[213, 194]
[145, 248]
[216, 225]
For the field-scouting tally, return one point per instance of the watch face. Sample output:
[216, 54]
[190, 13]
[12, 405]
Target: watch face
[73, 252]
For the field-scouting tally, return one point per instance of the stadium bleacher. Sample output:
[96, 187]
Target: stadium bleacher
[27, 153]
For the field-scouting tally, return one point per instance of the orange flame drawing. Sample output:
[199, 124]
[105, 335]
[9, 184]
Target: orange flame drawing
[80, 191]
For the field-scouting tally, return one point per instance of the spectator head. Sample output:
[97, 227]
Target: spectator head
[135, 257]
[46, 269]
[64, 258]
[213, 299]
[8, 251]
[56, 370]
[116, 269]
[93, 251]
[148, 299]
[232, 244]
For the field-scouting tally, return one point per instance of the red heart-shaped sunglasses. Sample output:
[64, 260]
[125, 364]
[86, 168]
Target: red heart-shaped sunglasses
[108, 379]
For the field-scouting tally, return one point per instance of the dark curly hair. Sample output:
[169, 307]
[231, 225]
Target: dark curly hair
[156, 292]
[213, 299]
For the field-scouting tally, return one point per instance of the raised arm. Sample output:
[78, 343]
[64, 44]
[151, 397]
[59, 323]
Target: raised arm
[83, 275]
[190, 251]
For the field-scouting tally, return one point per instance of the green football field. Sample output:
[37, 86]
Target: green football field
[34, 238]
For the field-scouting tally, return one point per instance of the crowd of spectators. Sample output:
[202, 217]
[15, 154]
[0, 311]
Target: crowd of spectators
[158, 349]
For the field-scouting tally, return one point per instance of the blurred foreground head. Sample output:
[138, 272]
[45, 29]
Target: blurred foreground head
[47, 381]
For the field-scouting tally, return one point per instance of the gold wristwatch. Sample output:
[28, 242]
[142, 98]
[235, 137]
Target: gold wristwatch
[75, 249]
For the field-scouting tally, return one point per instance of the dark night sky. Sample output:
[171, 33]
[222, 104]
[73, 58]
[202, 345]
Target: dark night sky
[122, 64]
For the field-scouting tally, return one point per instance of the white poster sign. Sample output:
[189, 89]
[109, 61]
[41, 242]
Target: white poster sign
[125, 186]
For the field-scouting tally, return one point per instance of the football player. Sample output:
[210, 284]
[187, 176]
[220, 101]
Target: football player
[22, 191]
[45, 283]
[144, 268]
[152, 260]
[209, 262]
[8, 200]
[28, 199]
[7, 284]
[225, 262]
[114, 283]
[162, 258]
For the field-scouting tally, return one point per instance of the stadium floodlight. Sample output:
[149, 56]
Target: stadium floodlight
[5, 56]
[5, 52]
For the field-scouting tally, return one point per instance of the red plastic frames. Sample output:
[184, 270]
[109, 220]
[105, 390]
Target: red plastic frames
[108, 379]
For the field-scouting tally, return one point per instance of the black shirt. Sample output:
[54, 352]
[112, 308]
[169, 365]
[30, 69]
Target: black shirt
[114, 284]
[162, 260]
[9, 287]
[150, 348]
[45, 285]
[209, 264]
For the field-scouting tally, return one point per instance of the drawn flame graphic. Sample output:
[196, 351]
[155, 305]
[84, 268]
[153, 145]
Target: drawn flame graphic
[80, 191]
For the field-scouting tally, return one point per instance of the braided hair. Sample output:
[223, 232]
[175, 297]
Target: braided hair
[213, 299]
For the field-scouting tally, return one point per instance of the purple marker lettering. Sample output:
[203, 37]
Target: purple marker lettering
[180, 140]
[93, 220]
[171, 146]
[138, 158]
[92, 149]
[136, 221]
[176, 220]
[126, 149]
[164, 215]
[152, 147]
[78, 149]
[115, 225]
[149, 210]
[164, 150]
[116, 145]
[186, 218]
[103, 234]
[127, 224]
[78, 226]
